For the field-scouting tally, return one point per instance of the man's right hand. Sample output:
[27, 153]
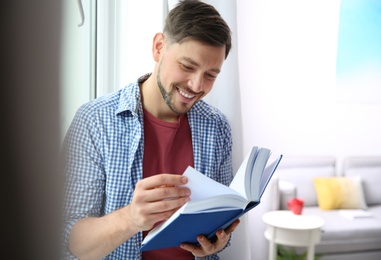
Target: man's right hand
[155, 199]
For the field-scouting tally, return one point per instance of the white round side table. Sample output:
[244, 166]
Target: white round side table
[287, 228]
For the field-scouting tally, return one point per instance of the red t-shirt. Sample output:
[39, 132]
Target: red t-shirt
[167, 149]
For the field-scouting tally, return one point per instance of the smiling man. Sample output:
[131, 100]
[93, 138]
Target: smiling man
[126, 152]
[184, 73]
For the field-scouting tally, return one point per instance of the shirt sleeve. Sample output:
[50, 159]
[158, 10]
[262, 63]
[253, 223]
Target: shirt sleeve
[85, 180]
[225, 175]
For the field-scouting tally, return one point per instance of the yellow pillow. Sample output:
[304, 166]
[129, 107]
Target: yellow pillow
[340, 193]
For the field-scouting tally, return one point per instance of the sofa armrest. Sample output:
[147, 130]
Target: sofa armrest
[287, 191]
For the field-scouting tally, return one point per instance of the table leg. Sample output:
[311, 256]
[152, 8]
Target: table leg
[272, 245]
[311, 252]
[272, 250]
[311, 247]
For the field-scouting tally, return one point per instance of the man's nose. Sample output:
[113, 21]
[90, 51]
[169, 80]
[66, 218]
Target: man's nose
[196, 83]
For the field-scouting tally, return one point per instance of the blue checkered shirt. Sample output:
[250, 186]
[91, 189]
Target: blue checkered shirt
[104, 148]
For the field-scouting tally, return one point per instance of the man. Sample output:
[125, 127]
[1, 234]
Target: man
[126, 151]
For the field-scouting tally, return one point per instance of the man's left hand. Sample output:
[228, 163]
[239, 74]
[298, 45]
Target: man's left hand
[207, 247]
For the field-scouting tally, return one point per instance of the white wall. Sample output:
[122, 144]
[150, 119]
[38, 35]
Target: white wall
[287, 55]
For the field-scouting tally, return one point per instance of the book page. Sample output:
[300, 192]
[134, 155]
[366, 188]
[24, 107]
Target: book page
[241, 182]
[216, 203]
[271, 166]
[203, 187]
[256, 173]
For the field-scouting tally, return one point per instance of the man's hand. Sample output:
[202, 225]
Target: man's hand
[155, 199]
[207, 247]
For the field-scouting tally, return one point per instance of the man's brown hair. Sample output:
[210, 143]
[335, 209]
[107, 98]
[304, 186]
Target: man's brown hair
[193, 19]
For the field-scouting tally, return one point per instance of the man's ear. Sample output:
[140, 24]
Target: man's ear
[158, 46]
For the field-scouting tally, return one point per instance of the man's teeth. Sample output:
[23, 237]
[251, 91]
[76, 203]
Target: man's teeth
[185, 94]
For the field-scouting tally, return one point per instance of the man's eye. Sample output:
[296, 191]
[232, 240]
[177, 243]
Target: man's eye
[187, 68]
[211, 76]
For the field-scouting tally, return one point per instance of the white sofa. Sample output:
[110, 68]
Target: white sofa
[342, 238]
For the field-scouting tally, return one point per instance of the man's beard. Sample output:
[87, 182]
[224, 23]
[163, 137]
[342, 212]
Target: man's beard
[167, 96]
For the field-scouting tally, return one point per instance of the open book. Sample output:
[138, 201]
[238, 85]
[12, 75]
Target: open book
[214, 206]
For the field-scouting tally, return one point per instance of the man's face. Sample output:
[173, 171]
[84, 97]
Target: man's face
[187, 72]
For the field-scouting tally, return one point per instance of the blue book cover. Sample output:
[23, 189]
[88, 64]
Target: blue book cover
[214, 206]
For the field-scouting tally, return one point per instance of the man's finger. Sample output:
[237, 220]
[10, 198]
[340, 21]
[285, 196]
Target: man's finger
[162, 180]
[232, 227]
[166, 193]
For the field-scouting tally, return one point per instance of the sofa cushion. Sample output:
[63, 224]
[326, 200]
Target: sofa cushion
[340, 193]
[371, 178]
[369, 168]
